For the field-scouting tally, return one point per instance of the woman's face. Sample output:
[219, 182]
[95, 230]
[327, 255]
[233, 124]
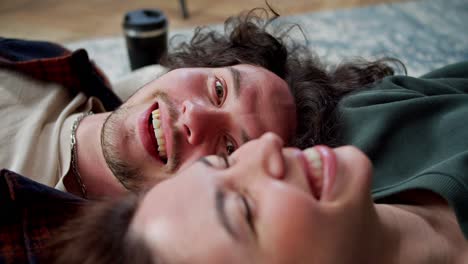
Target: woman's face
[271, 205]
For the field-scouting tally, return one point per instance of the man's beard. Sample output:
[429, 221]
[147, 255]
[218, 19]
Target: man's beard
[130, 176]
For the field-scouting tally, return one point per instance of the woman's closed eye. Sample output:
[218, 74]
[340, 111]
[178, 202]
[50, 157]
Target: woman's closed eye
[246, 202]
[225, 159]
[248, 213]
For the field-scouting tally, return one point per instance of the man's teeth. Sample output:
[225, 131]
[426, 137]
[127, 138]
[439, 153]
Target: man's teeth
[159, 134]
[315, 162]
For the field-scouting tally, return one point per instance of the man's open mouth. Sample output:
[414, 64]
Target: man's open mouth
[157, 134]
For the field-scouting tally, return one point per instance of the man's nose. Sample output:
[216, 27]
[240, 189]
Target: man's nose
[201, 121]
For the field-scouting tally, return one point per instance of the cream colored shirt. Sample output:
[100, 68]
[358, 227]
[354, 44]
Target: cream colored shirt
[36, 126]
[37, 118]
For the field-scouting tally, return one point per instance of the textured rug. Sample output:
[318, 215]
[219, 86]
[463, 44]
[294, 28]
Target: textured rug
[424, 34]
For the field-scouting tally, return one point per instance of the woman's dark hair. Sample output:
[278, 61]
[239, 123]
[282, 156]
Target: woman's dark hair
[315, 88]
[101, 235]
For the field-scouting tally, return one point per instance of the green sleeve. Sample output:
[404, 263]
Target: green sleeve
[415, 131]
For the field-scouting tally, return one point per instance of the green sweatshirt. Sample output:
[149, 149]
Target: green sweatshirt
[415, 131]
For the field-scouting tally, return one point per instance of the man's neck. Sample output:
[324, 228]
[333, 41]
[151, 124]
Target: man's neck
[92, 167]
[426, 233]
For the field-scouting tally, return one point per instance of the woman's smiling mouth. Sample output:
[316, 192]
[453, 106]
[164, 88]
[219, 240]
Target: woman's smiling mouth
[315, 171]
[321, 169]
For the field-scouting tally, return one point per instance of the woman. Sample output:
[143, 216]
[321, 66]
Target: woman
[269, 204]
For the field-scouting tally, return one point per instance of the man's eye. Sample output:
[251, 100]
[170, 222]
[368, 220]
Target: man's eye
[230, 147]
[220, 91]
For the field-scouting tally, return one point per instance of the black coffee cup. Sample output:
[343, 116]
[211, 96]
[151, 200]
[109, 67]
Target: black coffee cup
[146, 36]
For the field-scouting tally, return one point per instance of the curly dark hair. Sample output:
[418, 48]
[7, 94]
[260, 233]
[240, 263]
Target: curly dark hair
[315, 88]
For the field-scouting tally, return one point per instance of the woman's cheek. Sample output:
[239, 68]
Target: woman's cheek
[285, 225]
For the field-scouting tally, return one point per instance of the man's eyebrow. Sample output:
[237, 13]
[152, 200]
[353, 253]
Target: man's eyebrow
[236, 77]
[221, 213]
[245, 137]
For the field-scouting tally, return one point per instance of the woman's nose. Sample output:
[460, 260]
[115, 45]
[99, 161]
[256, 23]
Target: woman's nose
[264, 156]
[274, 163]
[200, 121]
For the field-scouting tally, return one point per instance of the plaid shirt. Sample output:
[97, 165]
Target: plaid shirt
[32, 212]
[51, 62]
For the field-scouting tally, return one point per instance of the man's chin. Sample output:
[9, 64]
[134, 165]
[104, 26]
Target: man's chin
[129, 176]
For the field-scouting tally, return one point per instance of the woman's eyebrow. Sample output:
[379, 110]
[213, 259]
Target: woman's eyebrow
[221, 213]
[205, 161]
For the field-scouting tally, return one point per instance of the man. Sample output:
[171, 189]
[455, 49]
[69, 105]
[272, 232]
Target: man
[178, 118]
[222, 90]
[183, 115]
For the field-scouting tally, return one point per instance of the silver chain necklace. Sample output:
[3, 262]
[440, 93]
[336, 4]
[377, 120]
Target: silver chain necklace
[74, 156]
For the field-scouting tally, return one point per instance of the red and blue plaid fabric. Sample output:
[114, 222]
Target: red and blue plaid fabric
[31, 213]
[51, 62]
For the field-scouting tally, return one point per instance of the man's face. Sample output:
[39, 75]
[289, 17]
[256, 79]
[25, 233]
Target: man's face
[192, 112]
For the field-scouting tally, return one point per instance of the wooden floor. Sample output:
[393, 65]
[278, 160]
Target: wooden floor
[70, 20]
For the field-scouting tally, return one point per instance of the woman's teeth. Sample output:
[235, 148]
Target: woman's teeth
[158, 133]
[315, 162]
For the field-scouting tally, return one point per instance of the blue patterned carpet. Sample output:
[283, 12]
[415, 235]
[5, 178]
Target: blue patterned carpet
[424, 34]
